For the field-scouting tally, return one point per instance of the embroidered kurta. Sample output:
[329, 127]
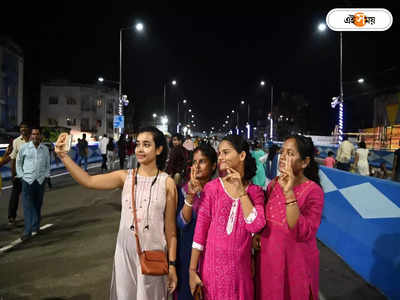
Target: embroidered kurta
[224, 235]
[287, 267]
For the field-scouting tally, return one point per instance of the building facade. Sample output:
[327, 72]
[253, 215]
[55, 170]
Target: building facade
[11, 85]
[82, 108]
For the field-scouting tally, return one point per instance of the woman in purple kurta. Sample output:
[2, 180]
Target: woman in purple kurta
[231, 209]
[287, 266]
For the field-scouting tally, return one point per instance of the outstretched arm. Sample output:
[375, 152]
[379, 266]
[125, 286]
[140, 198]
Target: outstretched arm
[99, 182]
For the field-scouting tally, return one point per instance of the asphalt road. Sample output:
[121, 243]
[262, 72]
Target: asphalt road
[72, 258]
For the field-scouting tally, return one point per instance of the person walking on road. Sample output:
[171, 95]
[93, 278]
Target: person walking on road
[344, 154]
[110, 154]
[156, 203]
[16, 182]
[122, 150]
[361, 164]
[33, 165]
[83, 152]
[103, 150]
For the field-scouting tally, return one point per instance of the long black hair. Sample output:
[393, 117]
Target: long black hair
[159, 140]
[240, 144]
[305, 146]
[208, 152]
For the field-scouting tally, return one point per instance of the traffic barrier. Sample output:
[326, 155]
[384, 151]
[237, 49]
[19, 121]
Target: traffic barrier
[94, 156]
[361, 223]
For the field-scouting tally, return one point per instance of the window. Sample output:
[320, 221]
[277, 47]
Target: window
[85, 124]
[52, 122]
[85, 104]
[53, 100]
[71, 101]
[70, 121]
[99, 102]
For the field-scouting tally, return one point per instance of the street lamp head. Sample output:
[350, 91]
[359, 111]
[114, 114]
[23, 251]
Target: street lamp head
[192, 116]
[262, 83]
[100, 79]
[233, 111]
[242, 102]
[139, 27]
[184, 101]
[173, 82]
[361, 80]
[321, 27]
[190, 110]
[154, 115]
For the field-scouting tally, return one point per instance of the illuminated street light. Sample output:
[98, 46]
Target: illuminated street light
[154, 115]
[321, 27]
[173, 82]
[361, 80]
[262, 83]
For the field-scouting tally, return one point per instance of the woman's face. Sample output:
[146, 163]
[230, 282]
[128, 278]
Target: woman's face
[290, 152]
[228, 157]
[202, 165]
[145, 150]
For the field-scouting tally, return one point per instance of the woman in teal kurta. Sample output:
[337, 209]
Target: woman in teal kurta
[259, 178]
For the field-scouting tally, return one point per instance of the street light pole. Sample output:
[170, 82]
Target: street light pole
[341, 91]
[271, 131]
[120, 72]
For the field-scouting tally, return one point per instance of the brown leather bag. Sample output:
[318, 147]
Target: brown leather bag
[152, 262]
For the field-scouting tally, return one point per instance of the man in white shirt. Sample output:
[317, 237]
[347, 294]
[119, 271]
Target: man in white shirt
[345, 152]
[17, 186]
[33, 165]
[103, 150]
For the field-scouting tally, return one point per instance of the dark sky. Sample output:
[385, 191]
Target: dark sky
[217, 54]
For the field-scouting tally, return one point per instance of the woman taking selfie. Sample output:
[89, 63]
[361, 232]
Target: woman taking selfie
[155, 200]
[203, 168]
[288, 262]
[231, 209]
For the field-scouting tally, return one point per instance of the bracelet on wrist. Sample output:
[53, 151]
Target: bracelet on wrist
[291, 203]
[188, 203]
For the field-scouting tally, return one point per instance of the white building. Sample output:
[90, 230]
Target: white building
[11, 85]
[83, 108]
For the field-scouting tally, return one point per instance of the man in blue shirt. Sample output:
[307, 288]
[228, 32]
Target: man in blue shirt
[33, 165]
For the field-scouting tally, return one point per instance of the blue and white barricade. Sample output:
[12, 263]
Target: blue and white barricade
[361, 223]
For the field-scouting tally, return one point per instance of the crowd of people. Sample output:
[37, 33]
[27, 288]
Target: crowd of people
[223, 232]
[232, 221]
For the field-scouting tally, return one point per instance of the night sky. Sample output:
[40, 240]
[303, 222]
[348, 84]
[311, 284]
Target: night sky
[218, 55]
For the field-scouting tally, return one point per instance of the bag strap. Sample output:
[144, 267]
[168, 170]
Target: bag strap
[136, 229]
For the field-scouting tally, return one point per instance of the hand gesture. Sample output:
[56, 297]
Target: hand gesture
[172, 280]
[194, 281]
[194, 185]
[286, 178]
[61, 145]
[235, 180]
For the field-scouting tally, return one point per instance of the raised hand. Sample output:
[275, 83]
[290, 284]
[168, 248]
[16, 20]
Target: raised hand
[235, 180]
[194, 185]
[61, 145]
[286, 178]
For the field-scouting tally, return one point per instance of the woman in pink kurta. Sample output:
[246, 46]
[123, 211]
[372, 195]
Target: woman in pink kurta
[287, 266]
[231, 209]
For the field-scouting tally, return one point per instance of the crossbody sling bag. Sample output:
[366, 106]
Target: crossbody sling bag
[152, 262]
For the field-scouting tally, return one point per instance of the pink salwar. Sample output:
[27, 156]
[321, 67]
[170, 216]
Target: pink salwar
[287, 266]
[225, 237]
